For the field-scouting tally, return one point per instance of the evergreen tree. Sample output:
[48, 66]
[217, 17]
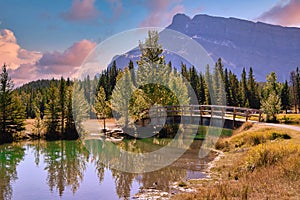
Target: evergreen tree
[38, 123]
[285, 97]
[244, 90]
[219, 97]
[202, 90]
[101, 106]
[220, 67]
[132, 72]
[184, 72]
[112, 77]
[62, 105]
[70, 130]
[271, 102]
[80, 107]
[194, 82]
[235, 89]
[152, 72]
[87, 92]
[227, 88]
[253, 95]
[121, 96]
[209, 86]
[52, 113]
[12, 112]
[295, 88]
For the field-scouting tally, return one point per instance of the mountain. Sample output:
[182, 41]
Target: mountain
[240, 43]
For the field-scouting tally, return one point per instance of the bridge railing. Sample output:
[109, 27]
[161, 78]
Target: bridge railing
[229, 112]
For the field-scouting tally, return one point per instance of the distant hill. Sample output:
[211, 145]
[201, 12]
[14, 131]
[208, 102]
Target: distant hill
[240, 43]
[35, 85]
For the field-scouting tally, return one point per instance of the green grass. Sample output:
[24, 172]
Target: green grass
[213, 131]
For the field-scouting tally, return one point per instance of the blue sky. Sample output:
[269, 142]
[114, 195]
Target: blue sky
[45, 35]
[39, 25]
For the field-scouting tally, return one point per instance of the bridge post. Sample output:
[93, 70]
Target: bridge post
[247, 113]
[233, 118]
[201, 113]
[259, 118]
[191, 113]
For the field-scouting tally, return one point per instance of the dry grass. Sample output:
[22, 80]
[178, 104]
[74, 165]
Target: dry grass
[289, 118]
[251, 135]
[268, 169]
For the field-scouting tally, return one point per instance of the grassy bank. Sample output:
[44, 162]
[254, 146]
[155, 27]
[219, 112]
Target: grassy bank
[289, 118]
[260, 162]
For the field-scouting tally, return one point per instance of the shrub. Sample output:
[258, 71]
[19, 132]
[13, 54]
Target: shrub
[268, 154]
[257, 137]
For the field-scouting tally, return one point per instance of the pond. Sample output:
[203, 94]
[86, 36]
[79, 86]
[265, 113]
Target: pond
[67, 170]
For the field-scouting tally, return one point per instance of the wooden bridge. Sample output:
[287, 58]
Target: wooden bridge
[234, 116]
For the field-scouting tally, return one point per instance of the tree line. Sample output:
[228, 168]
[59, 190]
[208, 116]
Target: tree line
[130, 91]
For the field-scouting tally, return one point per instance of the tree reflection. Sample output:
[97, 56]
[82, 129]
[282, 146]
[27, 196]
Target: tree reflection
[65, 163]
[108, 156]
[10, 157]
[123, 183]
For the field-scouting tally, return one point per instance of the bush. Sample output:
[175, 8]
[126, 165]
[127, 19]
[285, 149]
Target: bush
[271, 153]
[257, 137]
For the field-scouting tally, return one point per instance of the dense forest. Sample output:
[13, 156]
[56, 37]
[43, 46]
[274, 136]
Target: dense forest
[129, 91]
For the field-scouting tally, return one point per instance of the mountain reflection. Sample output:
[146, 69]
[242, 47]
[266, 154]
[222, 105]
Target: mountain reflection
[66, 164]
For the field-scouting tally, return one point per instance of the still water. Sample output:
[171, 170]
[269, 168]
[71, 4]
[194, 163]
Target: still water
[67, 170]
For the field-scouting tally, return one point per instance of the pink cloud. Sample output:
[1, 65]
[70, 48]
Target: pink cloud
[66, 62]
[161, 12]
[53, 65]
[81, 10]
[12, 53]
[286, 14]
[24, 65]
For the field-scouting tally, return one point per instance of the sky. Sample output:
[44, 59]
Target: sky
[45, 39]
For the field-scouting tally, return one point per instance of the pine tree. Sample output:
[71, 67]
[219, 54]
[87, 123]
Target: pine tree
[219, 97]
[62, 105]
[253, 95]
[52, 113]
[12, 112]
[244, 90]
[121, 96]
[38, 123]
[194, 82]
[70, 130]
[80, 107]
[112, 77]
[101, 106]
[235, 88]
[227, 88]
[87, 91]
[132, 72]
[295, 89]
[271, 102]
[153, 73]
[209, 86]
[179, 91]
[285, 97]
[184, 72]
[202, 90]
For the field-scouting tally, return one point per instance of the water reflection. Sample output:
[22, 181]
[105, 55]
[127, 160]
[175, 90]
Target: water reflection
[67, 169]
[65, 163]
[10, 157]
